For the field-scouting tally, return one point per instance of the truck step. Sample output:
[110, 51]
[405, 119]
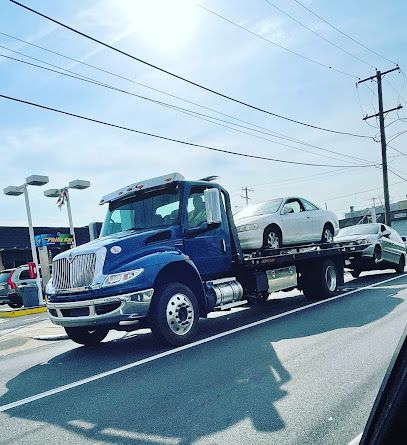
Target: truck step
[228, 306]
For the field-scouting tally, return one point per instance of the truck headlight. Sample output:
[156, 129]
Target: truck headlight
[247, 227]
[122, 277]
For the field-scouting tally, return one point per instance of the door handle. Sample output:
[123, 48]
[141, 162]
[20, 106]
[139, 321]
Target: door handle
[223, 246]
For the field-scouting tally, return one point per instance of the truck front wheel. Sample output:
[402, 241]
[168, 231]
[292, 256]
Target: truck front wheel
[174, 314]
[86, 336]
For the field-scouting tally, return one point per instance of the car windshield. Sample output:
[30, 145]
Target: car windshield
[362, 229]
[4, 276]
[145, 210]
[263, 208]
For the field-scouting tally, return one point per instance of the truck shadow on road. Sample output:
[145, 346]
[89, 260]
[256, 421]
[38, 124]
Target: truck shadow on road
[210, 394]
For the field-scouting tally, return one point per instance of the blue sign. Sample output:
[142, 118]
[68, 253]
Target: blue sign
[53, 239]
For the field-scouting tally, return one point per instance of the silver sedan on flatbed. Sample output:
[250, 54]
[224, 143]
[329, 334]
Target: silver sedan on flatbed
[385, 248]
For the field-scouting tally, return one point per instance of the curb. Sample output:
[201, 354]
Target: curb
[20, 312]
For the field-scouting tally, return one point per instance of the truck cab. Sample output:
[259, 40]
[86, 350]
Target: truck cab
[160, 233]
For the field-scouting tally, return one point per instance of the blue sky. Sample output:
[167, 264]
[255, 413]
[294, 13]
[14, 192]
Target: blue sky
[187, 40]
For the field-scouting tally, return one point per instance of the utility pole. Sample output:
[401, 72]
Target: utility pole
[381, 113]
[246, 194]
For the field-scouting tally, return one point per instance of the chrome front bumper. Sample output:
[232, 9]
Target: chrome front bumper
[113, 310]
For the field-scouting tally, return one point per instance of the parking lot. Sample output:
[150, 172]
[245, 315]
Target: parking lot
[286, 372]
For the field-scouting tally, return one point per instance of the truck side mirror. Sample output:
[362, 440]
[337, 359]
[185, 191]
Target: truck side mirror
[212, 206]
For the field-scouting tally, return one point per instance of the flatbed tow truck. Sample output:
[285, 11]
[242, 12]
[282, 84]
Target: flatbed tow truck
[169, 254]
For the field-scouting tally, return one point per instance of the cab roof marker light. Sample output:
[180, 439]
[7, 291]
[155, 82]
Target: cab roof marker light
[147, 184]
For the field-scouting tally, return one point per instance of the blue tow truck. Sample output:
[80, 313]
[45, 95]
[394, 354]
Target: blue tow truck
[168, 254]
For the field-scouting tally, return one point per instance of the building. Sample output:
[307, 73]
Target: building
[15, 248]
[398, 212]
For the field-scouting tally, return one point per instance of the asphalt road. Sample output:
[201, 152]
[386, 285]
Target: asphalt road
[280, 373]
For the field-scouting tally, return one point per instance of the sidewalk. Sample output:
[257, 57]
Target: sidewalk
[25, 338]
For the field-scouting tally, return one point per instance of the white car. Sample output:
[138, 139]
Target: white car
[283, 222]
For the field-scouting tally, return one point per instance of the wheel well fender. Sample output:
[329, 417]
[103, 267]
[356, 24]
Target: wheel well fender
[186, 273]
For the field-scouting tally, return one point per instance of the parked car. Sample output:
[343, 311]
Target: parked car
[385, 248]
[404, 239]
[17, 279]
[5, 285]
[283, 222]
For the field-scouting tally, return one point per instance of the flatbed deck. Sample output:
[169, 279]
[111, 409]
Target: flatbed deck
[295, 254]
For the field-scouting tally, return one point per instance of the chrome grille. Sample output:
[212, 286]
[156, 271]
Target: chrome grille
[76, 273]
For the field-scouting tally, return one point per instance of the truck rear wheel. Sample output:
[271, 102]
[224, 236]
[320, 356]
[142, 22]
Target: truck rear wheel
[86, 336]
[321, 281]
[174, 314]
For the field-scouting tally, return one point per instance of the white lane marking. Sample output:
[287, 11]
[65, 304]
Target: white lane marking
[356, 440]
[152, 358]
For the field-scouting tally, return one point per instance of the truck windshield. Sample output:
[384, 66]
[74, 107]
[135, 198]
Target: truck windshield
[259, 209]
[362, 229]
[145, 210]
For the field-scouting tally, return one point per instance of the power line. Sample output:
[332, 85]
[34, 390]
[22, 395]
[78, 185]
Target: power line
[179, 141]
[396, 174]
[343, 33]
[191, 82]
[98, 68]
[319, 35]
[188, 112]
[396, 149]
[360, 192]
[309, 59]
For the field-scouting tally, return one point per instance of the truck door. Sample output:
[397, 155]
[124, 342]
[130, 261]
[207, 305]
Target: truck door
[209, 250]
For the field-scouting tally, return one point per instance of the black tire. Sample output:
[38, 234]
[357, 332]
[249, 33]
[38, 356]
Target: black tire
[321, 281]
[272, 232]
[377, 254]
[15, 301]
[174, 315]
[86, 336]
[355, 273]
[327, 234]
[402, 264]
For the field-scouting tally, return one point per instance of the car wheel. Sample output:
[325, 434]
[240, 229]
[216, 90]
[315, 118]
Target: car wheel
[402, 263]
[327, 234]
[174, 314]
[86, 336]
[272, 238]
[355, 273]
[377, 254]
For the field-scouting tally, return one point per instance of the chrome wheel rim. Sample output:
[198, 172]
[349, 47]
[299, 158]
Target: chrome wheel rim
[180, 314]
[273, 241]
[328, 237]
[330, 277]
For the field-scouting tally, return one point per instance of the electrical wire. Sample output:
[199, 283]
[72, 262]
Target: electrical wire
[319, 35]
[179, 141]
[98, 68]
[309, 59]
[191, 82]
[396, 149]
[191, 113]
[344, 34]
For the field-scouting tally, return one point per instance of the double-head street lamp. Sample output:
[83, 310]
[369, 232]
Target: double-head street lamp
[22, 190]
[63, 194]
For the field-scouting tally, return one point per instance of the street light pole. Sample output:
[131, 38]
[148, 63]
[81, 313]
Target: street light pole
[32, 243]
[71, 227]
[11, 190]
[78, 184]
